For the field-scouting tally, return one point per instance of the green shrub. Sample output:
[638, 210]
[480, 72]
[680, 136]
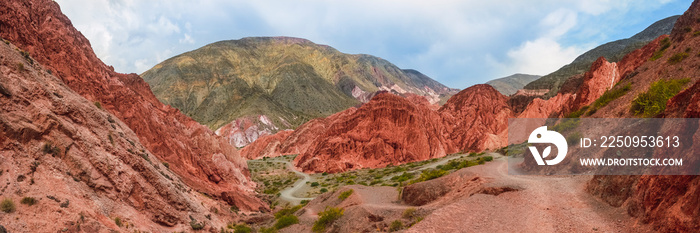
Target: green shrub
[488, 158]
[98, 104]
[242, 228]
[20, 66]
[268, 230]
[429, 175]
[611, 95]
[326, 218]
[573, 138]
[665, 43]
[287, 211]
[286, 221]
[314, 184]
[676, 58]
[323, 190]
[653, 101]
[49, 148]
[566, 125]
[395, 226]
[7, 206]
[304, 202]
[409, 213]
[30, 201]
[345, 195]
[118, 221]
[403, 177]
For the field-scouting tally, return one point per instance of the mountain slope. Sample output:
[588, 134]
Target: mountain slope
[203, 161]
[511, 84]
[257, 86]
[612, 51]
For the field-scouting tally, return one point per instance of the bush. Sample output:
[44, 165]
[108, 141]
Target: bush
[409, 213]
[611, 95]
[345, 195]
[653, 101]
[676, 58]
[403, 177]
[286, 221]
[314, 184]
[488, 158]
[665, 43]
[268, 230]
[98, 104]
[20, 66]
[30, 201]
[395, 226]
[287, 211]
[118, 221]
[323, 190]
[7, 206]
[327, 218]
[242, 229]
[49, 148]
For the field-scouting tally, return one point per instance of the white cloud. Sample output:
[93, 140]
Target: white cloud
[456, 42]
[542, 56]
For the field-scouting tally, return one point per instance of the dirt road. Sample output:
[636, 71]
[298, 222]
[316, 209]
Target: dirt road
[288, 193]
[542, 204]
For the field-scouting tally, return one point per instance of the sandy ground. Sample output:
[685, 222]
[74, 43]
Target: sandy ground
[543, 204]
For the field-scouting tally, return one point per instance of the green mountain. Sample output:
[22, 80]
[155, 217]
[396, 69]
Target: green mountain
[612, 51]
[275, 83]
[511, 84]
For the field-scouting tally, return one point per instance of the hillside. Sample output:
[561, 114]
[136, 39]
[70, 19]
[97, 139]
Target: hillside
[612, 51]
[75, 131]
[257, 86]
[511, 84]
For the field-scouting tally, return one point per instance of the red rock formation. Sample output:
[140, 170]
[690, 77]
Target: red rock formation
[477, 118]
[83, 165]
[668, 203]
[203, 160]
[387, 130]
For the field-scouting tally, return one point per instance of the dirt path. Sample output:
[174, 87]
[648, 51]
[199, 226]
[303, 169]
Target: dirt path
[288, 193]
[543, 204]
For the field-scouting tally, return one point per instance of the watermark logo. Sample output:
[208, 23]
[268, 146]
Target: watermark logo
[542, 135]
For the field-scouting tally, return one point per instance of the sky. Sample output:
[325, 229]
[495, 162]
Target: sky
[456, 42]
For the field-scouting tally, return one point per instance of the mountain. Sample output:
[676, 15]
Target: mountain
[257, 86]
[99, 142]
[511, 84]
[612, 51]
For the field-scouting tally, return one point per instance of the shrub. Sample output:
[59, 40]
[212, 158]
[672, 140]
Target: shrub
[611, 95]
[566, 125]
[304, 202]
[20, 66]
[488, 158]
[653, 101]
[323, 190]
[30, 201]
[403, 177]
[166, 164]
[676, 58]
[7, 206]
[118, 221]
[196, 225]
[314, 184]
[327, 218]
[287, 211]
[345, 195]
[268, 230]
[243, 228]
[49, 148]
[98, 104]
[409, 213]
[286, 221]
[395, 226]
[665, 43]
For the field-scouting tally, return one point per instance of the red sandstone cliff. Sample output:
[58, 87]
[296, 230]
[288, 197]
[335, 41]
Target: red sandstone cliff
[387, 130]
[201, 159]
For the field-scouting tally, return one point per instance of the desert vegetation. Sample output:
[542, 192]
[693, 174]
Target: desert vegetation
[653, 101]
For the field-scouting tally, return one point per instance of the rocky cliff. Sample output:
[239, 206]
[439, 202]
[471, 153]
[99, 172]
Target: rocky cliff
[203, 161]
[511, 84]
[253, 87]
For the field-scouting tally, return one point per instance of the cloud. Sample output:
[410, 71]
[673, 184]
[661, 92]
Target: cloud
[459, 43]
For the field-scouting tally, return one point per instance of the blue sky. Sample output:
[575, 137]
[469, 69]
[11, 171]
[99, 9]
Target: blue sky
[459, 43]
